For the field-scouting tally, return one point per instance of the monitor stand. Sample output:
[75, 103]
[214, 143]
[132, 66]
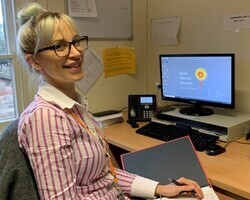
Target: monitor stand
[196, 110]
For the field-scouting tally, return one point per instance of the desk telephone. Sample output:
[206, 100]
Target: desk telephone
[141, 108]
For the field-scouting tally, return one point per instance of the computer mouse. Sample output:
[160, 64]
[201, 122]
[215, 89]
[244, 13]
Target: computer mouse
[215, 149]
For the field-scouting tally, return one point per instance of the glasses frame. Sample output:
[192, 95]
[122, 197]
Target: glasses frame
[53, 47]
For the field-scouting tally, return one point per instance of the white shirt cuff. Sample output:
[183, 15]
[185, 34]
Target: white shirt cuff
[143, 187]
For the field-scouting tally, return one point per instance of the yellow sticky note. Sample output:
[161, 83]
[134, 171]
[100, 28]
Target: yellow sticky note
[119, 60]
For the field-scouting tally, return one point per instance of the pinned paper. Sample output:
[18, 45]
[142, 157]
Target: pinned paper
[165, 30]
[119, 60]
[82, 8]
[236, 22]
[92, 70]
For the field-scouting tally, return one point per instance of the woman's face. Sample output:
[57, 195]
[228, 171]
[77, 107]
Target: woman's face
[60, 71]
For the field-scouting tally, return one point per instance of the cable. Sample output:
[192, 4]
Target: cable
[246, 143]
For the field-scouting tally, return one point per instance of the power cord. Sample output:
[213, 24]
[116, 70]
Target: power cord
[246, 143]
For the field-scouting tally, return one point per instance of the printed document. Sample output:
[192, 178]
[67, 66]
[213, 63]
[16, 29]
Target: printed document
[208, 192]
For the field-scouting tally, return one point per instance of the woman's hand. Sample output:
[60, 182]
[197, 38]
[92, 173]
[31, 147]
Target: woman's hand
[172, 190]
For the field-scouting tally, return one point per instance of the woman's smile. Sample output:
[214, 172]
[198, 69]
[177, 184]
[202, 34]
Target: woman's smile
[74, 65]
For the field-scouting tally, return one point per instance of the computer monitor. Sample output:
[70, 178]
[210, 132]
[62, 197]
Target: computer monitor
[198, 79]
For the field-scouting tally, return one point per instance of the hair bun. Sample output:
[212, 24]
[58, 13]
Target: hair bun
[28, 11]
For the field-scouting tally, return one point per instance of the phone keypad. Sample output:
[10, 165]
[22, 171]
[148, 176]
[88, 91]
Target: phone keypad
[147, 114]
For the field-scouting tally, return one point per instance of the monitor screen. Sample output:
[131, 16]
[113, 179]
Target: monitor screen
[198, 79]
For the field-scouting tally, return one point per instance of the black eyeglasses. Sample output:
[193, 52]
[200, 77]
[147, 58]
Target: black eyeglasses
[62, 48]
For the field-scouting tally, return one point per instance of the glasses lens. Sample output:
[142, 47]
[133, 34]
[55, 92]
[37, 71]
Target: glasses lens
[81, 43]
[62, 48]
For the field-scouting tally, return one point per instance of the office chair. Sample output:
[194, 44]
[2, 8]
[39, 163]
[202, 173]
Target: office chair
[16, 176]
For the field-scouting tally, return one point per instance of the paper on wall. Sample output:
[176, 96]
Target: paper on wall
[82, 8]
[165, 30]
[119, 60]
[92, 70]
[236, 22]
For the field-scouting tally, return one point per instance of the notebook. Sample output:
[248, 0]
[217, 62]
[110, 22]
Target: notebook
[172, 159]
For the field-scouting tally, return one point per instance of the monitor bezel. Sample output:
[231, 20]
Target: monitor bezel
[201, 103]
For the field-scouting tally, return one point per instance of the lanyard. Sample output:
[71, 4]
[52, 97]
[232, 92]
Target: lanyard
[101, 139]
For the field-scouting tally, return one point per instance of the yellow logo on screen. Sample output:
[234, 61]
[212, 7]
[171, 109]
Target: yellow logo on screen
[201, 75]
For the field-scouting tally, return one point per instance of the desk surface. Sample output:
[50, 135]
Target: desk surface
[229, 171]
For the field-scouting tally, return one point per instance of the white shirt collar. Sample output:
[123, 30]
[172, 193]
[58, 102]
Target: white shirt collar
[52, 94]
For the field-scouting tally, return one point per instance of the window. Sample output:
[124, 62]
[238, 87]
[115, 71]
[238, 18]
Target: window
[7, 110]
[8, 65]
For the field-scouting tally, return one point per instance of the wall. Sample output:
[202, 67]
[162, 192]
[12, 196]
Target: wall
[202, 31]
[110, 93]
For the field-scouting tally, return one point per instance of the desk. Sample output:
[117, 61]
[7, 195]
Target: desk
[229, 172]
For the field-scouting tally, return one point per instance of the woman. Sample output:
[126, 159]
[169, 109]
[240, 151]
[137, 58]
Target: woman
[65, 146]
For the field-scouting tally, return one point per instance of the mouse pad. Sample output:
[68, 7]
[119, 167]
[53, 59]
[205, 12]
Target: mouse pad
[172, 159]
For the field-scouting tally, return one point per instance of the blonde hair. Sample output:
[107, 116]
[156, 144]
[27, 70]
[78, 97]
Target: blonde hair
[36, 27]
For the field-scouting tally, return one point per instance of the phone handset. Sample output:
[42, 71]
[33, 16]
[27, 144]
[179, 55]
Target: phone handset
[132, 118]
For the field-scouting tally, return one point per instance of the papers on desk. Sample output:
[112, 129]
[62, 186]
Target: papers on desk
[107, 120]
[208, 192]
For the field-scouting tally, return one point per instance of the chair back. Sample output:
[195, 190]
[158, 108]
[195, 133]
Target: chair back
[16, 176]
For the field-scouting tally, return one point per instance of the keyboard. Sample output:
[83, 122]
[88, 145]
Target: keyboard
[164, 132]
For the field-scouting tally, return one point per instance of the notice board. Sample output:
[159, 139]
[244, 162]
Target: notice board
[113, 21]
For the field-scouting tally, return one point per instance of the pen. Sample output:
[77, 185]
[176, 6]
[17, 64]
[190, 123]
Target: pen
[174, 182]
[183, 193]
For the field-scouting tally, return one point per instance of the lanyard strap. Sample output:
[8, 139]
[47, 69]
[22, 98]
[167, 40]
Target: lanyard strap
[81, 122]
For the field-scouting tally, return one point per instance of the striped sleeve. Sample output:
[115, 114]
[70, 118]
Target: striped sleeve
[125, 180]
[136, 185]
[46, 137]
